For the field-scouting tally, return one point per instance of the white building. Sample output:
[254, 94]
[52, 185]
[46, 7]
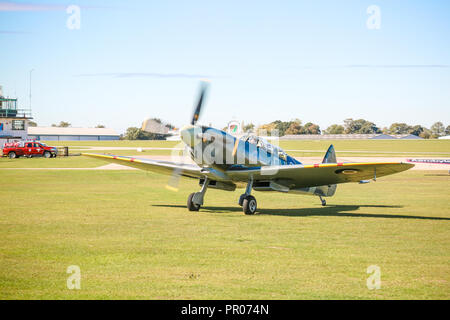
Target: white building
[71, 134]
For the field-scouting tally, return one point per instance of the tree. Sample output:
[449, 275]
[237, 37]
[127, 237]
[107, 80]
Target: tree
[311, 128]
[295, 128]
[282, 126]
[426, 134]
[62, 124]
[335, 129]
[100, 126]
[416, 130]
[399, 128]
[369, 128]
[437, 129]
[249, 127]
[134, 133]
[447, 130]
[266, 129]
[360, 126]
[32, 124]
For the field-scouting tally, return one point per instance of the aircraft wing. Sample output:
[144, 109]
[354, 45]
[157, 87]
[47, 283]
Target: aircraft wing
[301, 176]
[164, 167]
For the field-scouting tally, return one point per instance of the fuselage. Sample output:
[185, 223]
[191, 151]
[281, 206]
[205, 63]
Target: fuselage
[215, 148]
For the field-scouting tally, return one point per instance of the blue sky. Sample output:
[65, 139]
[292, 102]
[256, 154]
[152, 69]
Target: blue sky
[267, 60]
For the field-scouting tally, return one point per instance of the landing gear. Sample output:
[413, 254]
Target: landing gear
[249, 205]
[247, 201]
[324, 202]
[195, 200]
[190, 203]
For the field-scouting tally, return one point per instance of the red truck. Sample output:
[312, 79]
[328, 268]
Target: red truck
[28, 149]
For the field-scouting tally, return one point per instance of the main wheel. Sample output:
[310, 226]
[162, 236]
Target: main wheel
[324, 202]
[12, 155]
[47, 154]
[191, 205]
[249, 205]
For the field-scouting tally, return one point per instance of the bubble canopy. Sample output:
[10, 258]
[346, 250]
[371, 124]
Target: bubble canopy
[264, 145]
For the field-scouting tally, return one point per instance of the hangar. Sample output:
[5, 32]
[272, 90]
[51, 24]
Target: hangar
[71, 134]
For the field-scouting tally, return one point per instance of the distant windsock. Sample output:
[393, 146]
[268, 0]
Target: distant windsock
[234, 127]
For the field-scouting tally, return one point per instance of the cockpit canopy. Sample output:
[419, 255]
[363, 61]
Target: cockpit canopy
[264, 145]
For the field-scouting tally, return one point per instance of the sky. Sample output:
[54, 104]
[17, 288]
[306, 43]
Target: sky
[120, 62]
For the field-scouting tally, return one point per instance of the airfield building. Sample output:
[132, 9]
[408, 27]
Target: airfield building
[13, 121]
[72, 134]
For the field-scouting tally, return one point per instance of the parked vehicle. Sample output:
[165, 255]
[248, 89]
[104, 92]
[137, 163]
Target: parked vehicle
[28, 149]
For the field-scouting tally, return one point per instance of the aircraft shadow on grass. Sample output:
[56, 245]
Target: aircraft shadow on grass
[328, 211]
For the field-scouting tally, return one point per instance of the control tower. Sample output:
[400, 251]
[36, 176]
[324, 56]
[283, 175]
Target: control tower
[13, 121]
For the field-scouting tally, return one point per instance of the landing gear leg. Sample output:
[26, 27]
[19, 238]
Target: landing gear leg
[247, 201]
[195, 200]
[324, 202]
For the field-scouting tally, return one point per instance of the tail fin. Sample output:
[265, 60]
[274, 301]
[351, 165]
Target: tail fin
[328, 191]
[330, 156]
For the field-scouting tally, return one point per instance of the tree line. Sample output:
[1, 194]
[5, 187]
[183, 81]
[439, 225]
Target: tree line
[349, 126]
[296, 127]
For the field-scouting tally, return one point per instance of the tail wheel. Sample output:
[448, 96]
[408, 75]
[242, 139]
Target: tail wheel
[12, 155]
[191, 205]
[249, 205]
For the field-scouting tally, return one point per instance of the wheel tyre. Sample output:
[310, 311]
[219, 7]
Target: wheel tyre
[47, 154]
[324, 203]
[191, 205]
[241, 199]
[12, 155]
[249, 205]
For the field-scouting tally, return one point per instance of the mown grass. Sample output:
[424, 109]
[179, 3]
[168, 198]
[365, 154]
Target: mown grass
[59, 162]
[133, 239]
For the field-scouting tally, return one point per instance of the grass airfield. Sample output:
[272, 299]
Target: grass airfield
[133, 239]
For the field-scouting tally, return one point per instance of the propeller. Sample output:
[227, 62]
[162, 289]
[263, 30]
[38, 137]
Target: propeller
[174, 180]
[201, 98]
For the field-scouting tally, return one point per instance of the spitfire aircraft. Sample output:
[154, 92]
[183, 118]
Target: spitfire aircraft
[223, 161]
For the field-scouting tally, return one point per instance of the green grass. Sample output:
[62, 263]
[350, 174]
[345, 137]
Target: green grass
[59, 162]
[133, 239]
[116, 143]
[407, 146]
